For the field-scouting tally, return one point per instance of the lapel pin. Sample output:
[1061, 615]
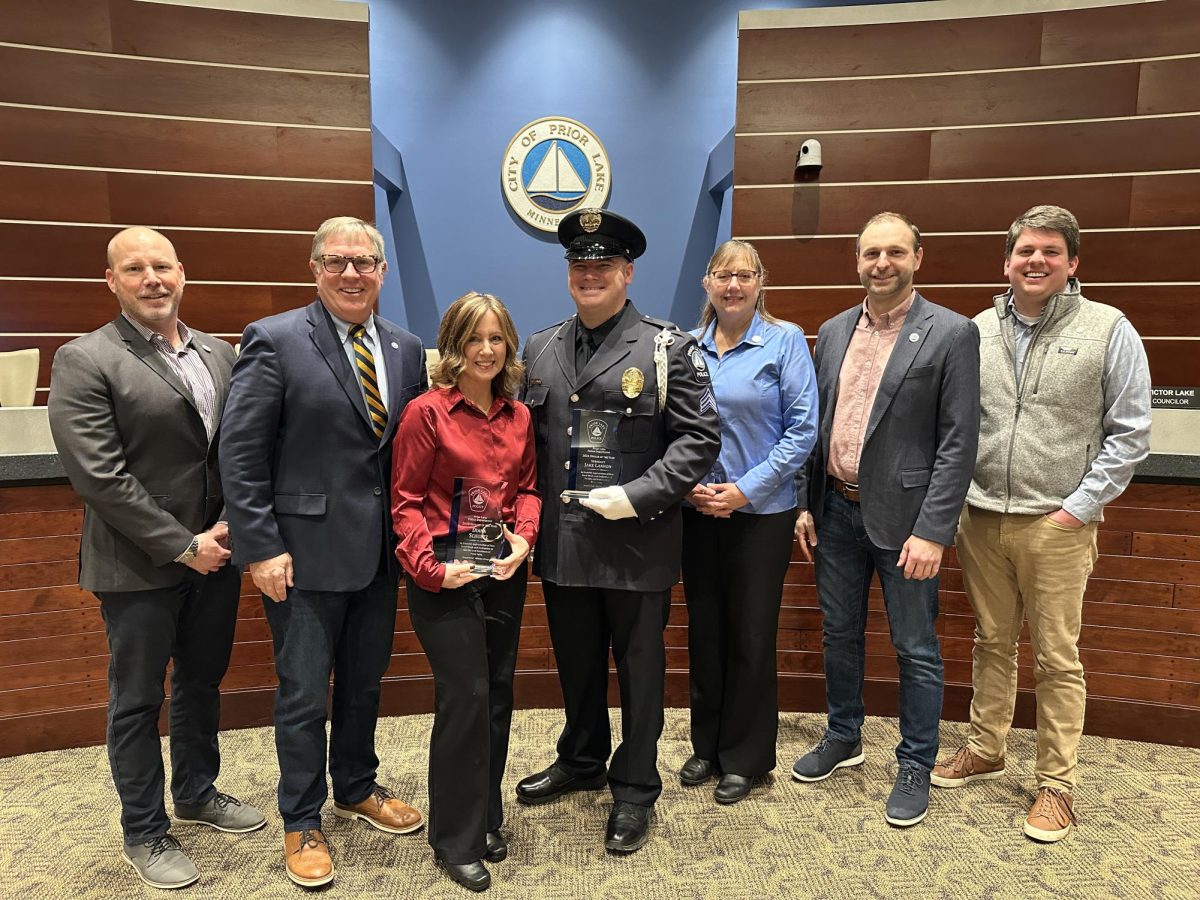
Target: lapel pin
[914, 337]
[207, 349]
[395, 346]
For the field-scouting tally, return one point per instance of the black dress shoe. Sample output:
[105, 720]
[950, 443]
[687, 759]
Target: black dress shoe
[628, 827]
[474, 876]
[732, 788]
[497, 847]
[697, 770]
[542, 787]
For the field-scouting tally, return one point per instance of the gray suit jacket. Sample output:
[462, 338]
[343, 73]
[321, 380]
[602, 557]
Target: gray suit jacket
[134, 446]
[919, 450]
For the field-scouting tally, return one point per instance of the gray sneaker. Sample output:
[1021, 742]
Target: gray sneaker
[222, 812]
[827, 757]
[161, 863]
[909, 801]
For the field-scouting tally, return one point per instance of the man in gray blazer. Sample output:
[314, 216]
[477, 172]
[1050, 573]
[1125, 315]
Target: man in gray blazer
[898, 379]
[306, 451]
[134, 409]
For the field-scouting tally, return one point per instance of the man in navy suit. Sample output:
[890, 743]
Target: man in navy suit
[306, 453]
[898, 379]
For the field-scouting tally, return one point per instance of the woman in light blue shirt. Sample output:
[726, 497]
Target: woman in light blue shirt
[737, 535]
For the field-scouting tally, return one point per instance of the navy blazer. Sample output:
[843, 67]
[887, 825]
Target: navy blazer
[303, 470]
[919, 450]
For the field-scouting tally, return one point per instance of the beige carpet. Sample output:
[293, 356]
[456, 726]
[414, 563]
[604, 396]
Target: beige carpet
[1138, 807]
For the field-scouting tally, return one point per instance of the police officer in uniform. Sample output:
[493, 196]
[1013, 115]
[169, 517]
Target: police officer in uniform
[608, 560]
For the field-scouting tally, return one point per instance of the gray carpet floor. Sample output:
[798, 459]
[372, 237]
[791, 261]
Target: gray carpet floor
[1138, 837]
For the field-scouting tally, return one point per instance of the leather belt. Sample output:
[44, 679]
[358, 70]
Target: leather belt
[847, 490]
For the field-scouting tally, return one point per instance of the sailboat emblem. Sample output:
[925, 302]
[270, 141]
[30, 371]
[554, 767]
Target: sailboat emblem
[552, 167]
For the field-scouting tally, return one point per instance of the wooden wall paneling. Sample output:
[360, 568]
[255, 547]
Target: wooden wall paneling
[74, 138]
[106, 83]
[1182, 522]
[1170, 498]
[1165, 200]
[28, 192]
[215, 35]
[38, 549]
[77, 306]
[992, 97]
[1187, 596]
[806, 209]
[57, 23]
[44, 599]
[1120, 32]
[47, 524]
[1166, 546]
[889, 48]
[1172, 362]
[1169, 86]
[854, 156]
[1081, 148]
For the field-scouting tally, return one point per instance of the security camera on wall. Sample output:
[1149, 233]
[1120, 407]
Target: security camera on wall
[808, 161]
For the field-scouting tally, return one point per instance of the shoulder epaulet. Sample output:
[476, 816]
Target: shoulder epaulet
[661, 323]
[550, 328]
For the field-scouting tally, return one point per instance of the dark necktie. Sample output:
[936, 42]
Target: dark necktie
[364, 361]
[585, 348]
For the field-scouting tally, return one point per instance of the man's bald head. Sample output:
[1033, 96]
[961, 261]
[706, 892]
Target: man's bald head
[147, 277]
[138, 234]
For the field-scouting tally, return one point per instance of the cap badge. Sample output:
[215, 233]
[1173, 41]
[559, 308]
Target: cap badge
[589, 221]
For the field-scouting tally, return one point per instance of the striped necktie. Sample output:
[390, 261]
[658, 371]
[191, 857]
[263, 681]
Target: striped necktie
[364, 361]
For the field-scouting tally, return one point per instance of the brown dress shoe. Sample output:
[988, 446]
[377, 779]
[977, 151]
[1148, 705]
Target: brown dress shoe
[306, 855]
[1051, 817]
[964, 767]
[384, 810]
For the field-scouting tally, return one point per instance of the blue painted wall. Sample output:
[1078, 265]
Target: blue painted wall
[451, 83]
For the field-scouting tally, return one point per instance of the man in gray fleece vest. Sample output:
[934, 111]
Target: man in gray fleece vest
[1065, 391]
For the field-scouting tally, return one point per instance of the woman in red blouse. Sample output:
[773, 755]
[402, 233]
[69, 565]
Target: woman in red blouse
[465, 507]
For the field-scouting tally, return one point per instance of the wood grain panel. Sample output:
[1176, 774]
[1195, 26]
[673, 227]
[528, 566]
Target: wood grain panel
[34, 193]
[16, 525]
[1154, 310]
[96, 82]
[1167, 546]
[1078, 148]
[1120, 32]
[34, 250]
[45, 599]
[71, 306]
[1165, 200]
[38, 549]
[1170, 497]
[1182, 521]
[1172, 362]
[58, 23]
[1187, 596]
[972, 259]
[214, 35]
[1169, 86]
[889, 48]
[805, 209]
[994, 97]
[129, 142]
[40, 498]
[878, 156]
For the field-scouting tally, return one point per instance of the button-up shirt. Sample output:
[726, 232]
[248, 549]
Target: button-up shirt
[858, 382]
[186, 363]
[443, 436]
[372, 341]
[767, 396]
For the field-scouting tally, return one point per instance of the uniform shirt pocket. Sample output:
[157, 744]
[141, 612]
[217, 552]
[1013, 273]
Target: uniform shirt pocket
[636, 430]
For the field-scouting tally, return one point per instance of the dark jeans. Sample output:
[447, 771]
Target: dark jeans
[584, 622]
[315, 633]
[470, 636]
[191, 625]
[845, 559]
[733, 571]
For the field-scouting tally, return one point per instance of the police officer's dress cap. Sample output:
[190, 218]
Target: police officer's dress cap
[600, 234]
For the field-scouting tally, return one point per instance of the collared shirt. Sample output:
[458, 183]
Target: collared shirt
[186, 363]
[443, 436]
[372, 341]
[588, 340]
[767, 395]
[1126, 417]
[858, 382]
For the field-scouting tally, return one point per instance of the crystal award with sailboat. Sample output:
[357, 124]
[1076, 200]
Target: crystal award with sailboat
[595, 454]
[476, 524]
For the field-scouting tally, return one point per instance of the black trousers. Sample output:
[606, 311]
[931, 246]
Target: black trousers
[584, 622]
[733, 572]
[191, 625]
[470, 637]
[315, 633]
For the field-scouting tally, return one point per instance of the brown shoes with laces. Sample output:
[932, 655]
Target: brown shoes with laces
[306, 855]
[963, 768]
[384, 810]
[1051, 817]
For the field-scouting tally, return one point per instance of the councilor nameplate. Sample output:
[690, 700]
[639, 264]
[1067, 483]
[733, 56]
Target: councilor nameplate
[595, 454]
[476, 523]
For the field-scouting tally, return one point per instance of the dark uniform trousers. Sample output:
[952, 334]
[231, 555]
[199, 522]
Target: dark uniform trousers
[733, 572]
[607, 583]
[189, 624]
[470, 637]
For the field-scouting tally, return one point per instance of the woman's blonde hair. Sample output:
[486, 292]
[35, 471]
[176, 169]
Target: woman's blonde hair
[458, 324]
[729, 252]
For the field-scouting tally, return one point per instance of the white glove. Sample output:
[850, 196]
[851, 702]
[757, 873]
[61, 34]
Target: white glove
[610, 502]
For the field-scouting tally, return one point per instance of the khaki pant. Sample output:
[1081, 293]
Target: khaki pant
[1014, 566]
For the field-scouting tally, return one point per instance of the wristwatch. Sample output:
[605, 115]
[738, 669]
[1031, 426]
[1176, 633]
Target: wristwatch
[189, 554]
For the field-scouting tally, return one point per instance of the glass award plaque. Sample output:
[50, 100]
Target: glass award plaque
[476, 524]
[595, 453]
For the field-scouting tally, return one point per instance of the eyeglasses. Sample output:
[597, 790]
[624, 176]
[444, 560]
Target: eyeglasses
[745, 276]
[336, 265]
